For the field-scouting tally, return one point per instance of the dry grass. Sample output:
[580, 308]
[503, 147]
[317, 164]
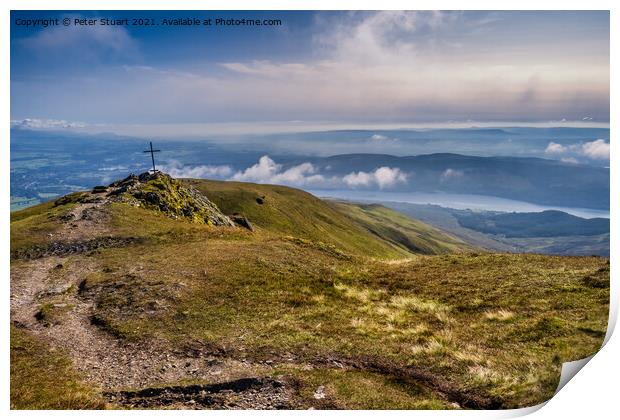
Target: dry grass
[439, 312]
[43, 379]
[500, 315]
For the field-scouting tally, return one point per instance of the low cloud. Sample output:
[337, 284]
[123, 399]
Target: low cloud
[555, 149]
[177, 170]
[449, 174]
[594, 150]
[381, 138]
[35, 123]
[307, 175]
[597, 149]
[358, 179]
[268, 171]
[304, 175]
[383, 177]
[114, 168]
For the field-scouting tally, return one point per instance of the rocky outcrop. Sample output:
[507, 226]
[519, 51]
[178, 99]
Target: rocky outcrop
[159, 191]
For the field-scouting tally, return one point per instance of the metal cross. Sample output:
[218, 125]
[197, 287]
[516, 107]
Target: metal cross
[152, 152]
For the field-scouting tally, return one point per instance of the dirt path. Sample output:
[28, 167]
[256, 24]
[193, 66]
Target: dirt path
[102, 359]
[120, 368]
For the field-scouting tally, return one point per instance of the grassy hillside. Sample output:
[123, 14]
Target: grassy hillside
[188, 315]
[283, 210]
[400, 230]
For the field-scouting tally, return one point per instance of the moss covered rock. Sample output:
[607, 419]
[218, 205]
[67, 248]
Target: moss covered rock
[159, 191]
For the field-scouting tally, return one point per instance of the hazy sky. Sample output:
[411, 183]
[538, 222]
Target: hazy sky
[346, 67]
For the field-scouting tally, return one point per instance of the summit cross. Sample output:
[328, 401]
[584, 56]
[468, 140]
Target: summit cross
[152, 152]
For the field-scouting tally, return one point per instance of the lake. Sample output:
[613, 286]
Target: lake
[456, 201]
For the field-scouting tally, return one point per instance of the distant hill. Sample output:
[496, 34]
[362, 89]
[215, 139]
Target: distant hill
[526, 225]
[495, 162]
[550, 233]
[535, 180]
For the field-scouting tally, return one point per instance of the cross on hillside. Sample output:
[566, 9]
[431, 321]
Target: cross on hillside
[152, 152]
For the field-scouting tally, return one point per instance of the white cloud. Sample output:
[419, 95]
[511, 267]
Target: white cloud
[555, 149]
[268, 171]
[177, 170]
[383, 177]
[260, 172]
[306, 175]
[381, 138]
[450, 174]
[88, 42]
[388, 62]
[358, 179]
[569, 160]
[597, 149]
[388, 177]
[36, 123]
[114, 168]
[362, 66]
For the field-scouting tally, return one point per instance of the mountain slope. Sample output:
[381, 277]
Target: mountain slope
[156, 312]
[400, 230]
[289, 211]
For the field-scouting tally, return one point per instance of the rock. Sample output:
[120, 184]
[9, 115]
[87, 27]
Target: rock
[187, 211]
[99, 189]
[319, 394]
[77, 197]
[67, 217]
[159, 191]
[242, 221]
[260, 200]
[149, 197]
[58, 290]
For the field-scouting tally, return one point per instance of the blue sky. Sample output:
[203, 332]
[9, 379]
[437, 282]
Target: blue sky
[345, 67]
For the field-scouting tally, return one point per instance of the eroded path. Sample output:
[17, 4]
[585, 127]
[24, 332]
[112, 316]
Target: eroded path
[147, 374]
[103, 359]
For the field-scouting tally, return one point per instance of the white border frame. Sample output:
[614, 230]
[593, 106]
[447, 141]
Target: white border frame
[591, 394]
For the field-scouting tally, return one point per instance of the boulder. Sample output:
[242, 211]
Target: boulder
[242, 221]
